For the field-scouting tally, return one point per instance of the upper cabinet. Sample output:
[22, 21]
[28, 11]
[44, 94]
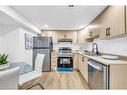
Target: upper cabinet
[93, 30]
[68, 35]
[112, 21]
[81, 35]
[56, 35]
[90, 32]
[53, 34]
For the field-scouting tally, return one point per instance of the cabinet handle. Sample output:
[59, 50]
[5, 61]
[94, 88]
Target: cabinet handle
[90, 33]
[82, 59]
[106, 32]
[109, 31]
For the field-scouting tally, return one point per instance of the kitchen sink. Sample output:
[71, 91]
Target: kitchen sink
[110, 57]
[90, 53]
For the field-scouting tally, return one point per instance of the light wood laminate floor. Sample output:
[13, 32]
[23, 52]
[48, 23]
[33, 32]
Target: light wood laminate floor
[62, 80]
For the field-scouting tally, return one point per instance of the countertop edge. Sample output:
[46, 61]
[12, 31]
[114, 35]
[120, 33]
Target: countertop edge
[107, 62]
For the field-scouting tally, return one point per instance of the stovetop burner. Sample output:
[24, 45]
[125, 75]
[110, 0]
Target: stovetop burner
[65, 52]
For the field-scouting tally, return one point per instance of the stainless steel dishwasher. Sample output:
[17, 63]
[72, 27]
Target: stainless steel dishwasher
[98, 75]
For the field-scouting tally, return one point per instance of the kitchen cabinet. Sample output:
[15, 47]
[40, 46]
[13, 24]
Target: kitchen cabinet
[83, 66]
[69, 35]
[89, 33]
[53, 60]
[112, 22]
[47, 33]
[56, 35]
[75, 61]
[81, 35]
[53, 34]
[118, 76]
[93, 30]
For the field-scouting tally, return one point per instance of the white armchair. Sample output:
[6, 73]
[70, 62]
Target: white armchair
[9, 78]
[32, 78]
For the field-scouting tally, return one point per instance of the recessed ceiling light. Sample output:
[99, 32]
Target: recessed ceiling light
[45, 26]
[71, 6]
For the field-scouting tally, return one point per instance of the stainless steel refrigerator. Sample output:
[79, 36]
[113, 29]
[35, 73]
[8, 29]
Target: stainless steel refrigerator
[43, 45]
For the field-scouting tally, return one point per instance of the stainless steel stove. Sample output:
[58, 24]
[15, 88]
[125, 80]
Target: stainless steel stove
[65, 54]
[65, 57]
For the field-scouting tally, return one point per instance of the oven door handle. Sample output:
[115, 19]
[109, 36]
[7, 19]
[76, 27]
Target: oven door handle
[95, 66]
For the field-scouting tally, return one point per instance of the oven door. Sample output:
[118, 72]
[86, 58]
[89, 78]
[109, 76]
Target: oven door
[65, 62]
[97, 75]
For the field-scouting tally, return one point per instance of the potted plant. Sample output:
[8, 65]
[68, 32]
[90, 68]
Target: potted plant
[3, 61]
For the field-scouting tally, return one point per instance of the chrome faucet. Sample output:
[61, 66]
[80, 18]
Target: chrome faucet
[95, 46]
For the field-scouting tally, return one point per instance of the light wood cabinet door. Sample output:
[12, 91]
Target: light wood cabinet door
[79, 62]
[93, 29]
[75, 61]
[72, 35]
[86, 68]
[112, 21]
[83, 66]
[60, 34]
[53, 60]
[69, 35]
[75, 37]
[81, 35]
[55, 36]
[46, 33]
[118, 76]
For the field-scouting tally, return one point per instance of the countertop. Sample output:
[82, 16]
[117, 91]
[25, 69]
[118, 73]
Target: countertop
[105, 61]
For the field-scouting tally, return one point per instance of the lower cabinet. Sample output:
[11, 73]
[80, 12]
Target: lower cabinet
[75, 61]
[53, 61]
[117, 73]
[83, 66]
[118, 76]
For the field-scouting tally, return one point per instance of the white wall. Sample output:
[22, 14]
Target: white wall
[7, 35]
[18, 17]
[113, 46]
[9, 45]
[24, 55]
[13, 44]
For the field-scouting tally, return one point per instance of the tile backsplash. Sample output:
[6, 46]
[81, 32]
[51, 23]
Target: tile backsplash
[116, 46]
[80, 47]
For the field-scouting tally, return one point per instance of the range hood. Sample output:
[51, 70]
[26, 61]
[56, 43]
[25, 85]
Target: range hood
[62, 40]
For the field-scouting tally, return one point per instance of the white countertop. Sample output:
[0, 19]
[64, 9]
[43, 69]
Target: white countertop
[104, 61]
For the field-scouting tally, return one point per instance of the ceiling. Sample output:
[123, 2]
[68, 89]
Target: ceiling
[7, 20]
[59, 17]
